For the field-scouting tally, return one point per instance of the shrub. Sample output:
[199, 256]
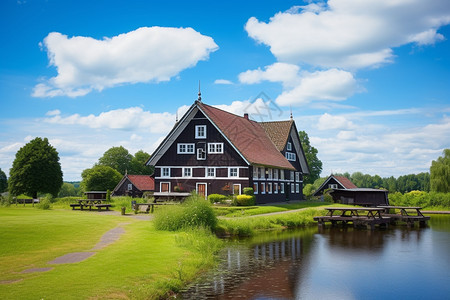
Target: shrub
[108, 195]
[44, 204]
[245, 200]
[193, 213]
[213, 198]
[249, 191]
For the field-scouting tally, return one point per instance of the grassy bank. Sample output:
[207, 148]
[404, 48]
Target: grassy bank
[143, 264]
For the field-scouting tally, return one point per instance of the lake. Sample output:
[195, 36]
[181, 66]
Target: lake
[334, 263]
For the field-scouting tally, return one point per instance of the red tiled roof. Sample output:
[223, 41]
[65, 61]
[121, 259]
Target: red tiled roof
[345, 182]
[248, 137]
[143, 182]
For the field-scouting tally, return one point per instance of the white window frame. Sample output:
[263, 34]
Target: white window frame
[282, 174]
[290, 156]
[292, 175]
[289, 146]
[275, 188]
[270, 173]
[297, 176]
[213, 148]
[199, 152]
[255, 187]
[165, 169]
[292, 188]
[282, 188]
[183, 148]
[263, 187]
[262, 173]
[297, 188]
[255, 173]
[333, 186]
[275, 174]
[197, 131]
[187, 169]
[130, 187]
[269, 188]
[230, 172]
[213, 171]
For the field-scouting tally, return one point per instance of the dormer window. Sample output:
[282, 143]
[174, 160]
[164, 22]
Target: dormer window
[200, 131]
[289, 146]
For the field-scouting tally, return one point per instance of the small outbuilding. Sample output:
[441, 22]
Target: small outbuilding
[134, 185]
[360, 196]
[97, 195]
[335, 182]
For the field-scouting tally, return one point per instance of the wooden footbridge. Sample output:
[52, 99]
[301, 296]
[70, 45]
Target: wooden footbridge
[370, 216]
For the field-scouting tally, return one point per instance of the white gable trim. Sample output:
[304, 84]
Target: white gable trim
[299, 149]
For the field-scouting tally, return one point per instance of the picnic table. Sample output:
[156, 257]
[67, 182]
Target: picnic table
[408, 214]
[372, 212]
[89, 203]
[359, 216]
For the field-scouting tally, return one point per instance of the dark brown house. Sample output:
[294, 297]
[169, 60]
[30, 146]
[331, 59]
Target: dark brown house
[361, 196]
[212, 151]
[335, 182]
[134, 185]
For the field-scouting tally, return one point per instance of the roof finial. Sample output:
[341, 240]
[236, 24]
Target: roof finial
[176, 116]
[199, 93]
[291, 112]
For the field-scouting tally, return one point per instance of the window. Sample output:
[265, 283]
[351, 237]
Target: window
[262, 175]
[263, 188]
[275, 188]
[255, 187]
[289, 146]
[200, 131]
[201, 154]
[233, 172]
[185, 149]
[270, 173]
[292, 175]
[216, 148]
[165, 172]
[290, 156]
[187, 172]
[292, 188]
[297, 176]
[282, 188]
[210, 172]
[275, 174]
[130, 186]
[282, 174]
[297, 188]
[269, 188]
[332, 186]
[255, 173]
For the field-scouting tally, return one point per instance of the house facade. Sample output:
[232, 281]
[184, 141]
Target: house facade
[134, 185]
[213, 151]
[335, 182]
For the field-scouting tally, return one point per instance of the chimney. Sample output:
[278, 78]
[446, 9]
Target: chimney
[246, 116]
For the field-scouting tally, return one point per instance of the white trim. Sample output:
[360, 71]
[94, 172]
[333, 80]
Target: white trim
[237, 172]
[206, 188]
[297, 176]
[263, 190]
[196, 131]
[204, 178]
[290, 156]
[162, 172]
[292, 188]
[239, 188]
[206, 172]
[289, 146]
[130, 187]
[215, 151]
[162, 183]
[255, 184]
[297, 188]
[183, 172]
[282, 188]
[269, 187]
[275, 188]
[199, 152]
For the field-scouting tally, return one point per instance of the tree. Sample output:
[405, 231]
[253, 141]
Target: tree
[68, 190]
[440, 173]
[138, 166]
[36, 169]
[117, 158]
[100, 178]
[314, 163]
[3, 181]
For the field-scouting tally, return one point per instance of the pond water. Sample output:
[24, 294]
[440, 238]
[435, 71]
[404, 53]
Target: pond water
[335, 263]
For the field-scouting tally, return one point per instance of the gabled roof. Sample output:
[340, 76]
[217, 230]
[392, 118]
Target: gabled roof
[249, 137]
[142, 182]
[345, 182]
[278, 132]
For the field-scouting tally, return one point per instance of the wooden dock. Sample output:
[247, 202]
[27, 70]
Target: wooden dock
[370, 217]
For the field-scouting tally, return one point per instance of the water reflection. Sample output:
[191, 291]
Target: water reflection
[338, 263]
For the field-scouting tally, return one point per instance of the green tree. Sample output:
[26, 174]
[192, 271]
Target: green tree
[138, 166]
[68, 190]
[36, 169]
[314, 163]
[100, 178]
[440, 173]
[117, 158]
[3, 181]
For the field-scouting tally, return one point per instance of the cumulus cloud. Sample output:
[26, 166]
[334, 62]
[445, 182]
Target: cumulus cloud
[350, 34]
[147, 54]
[302, 87]
[327, 121]
[122, 119]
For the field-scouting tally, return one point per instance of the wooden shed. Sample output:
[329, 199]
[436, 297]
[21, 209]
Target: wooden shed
[134, 185]
[360, 196]
[335, 182]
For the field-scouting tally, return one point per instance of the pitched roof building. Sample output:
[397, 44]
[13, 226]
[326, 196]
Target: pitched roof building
[134, 185]
[213, 151]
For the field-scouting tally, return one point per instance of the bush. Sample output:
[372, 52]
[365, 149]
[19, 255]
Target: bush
[244, 200]
[44, 204]
[193, 213]
[420, 198]
[213, 198]
[249, 191]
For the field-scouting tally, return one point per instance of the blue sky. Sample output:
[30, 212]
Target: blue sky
[367, 80]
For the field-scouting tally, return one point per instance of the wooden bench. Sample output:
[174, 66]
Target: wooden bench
[100, 206]
[75, 205]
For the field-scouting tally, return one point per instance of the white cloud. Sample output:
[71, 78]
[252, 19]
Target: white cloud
[143, 55]
[327, 122]
[277, 72]
[351, 33]
[53, 112]
[222, 81]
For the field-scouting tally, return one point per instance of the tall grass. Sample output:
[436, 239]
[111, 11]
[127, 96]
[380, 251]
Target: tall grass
[431, 200]
[194, 212]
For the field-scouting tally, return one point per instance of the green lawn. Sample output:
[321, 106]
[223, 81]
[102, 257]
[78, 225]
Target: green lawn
[142, 264]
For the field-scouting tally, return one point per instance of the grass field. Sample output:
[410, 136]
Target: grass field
[142, 264]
